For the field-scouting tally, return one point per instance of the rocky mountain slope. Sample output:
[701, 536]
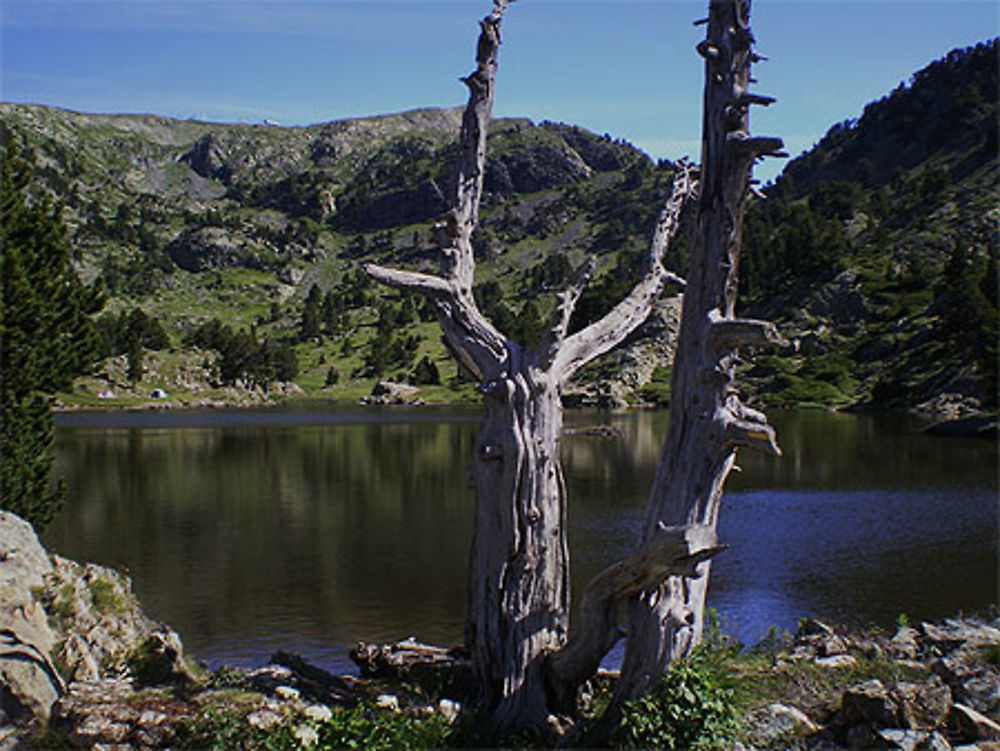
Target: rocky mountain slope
[243, 245]
[877, 249]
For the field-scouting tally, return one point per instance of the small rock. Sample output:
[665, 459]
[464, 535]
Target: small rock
[449, 709]
[828, 646]
[318, 712]
[922, 705]
[934, 742]
[263, 719]
[306, 735]
[151, 718]
[904, 643]
[981, 692]
[101, 729]
[799, 653]
[836, 661]
[868, 703]
[777, 722]
[953, 671]
[269, 677]
[907, 740]
[387, 701]
[291, 275]
[872, 649]
[954, 632]
[287, 693]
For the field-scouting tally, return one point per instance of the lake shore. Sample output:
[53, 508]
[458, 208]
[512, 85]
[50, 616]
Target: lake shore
[100, 671]
[946, 416]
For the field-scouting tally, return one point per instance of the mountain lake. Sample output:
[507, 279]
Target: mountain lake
[306, 530]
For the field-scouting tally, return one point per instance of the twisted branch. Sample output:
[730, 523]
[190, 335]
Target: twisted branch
[627, 315]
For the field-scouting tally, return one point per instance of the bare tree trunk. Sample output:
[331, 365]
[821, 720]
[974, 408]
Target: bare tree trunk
[518, 588]
[519, 570]
[707, 420]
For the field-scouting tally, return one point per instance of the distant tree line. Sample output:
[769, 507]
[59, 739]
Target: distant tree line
[129, 334]
[242, 358]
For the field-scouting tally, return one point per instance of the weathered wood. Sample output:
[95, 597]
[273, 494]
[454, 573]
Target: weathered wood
[671, 551]
[444, 671]
[519, 569]
[707, 419]
[605, 334]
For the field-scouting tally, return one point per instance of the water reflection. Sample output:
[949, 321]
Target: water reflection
[253, 531]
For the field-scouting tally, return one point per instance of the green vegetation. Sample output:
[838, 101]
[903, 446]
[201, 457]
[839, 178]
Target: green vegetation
[691, 708]
[874, 252]
[244, 359]
[47, 337]
[364, 726]
[991, 654]
[105, 596]
[877, 249]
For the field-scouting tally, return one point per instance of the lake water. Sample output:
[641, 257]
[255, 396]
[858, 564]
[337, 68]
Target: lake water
[252, 531]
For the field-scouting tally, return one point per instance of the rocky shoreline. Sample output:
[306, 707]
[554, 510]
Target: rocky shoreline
[81, 666]
[949, 415]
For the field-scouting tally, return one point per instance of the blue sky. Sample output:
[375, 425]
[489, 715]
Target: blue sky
[624, 67]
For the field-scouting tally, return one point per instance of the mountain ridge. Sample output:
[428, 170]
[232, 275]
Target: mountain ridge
[192, 221]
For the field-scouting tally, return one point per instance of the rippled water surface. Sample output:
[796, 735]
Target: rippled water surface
[252, 531]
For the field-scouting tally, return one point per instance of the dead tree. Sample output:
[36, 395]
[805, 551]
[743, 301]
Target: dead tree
[518, 571]
[708, 422]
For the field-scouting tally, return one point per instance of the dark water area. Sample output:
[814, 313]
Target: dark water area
[305, 530]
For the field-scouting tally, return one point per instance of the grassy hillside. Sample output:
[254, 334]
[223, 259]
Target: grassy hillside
[877, 249]
[232, 253]
[264, 229]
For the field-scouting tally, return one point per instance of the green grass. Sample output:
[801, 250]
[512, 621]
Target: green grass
[105, 597]
[758, 682]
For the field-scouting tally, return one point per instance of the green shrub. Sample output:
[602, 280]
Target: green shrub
[991, 654]
[105, 597]
[691, 708]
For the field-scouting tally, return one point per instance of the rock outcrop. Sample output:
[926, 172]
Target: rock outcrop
[389, 392]
[211, 248]
[941, 689]
[29, 681]
[63, 623]
[208, 159]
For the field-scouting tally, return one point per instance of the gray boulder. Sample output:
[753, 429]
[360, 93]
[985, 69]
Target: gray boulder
[29, 682]
[777, 723]
[971, 725]
[211, 247]
[390, 392]
[83, 618]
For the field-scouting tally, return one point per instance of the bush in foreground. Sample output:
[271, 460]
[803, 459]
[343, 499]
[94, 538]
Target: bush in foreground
[691, 708]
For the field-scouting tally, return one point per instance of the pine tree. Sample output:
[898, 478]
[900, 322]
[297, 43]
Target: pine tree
[309, 327]
[46, 340]
[134, 356]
